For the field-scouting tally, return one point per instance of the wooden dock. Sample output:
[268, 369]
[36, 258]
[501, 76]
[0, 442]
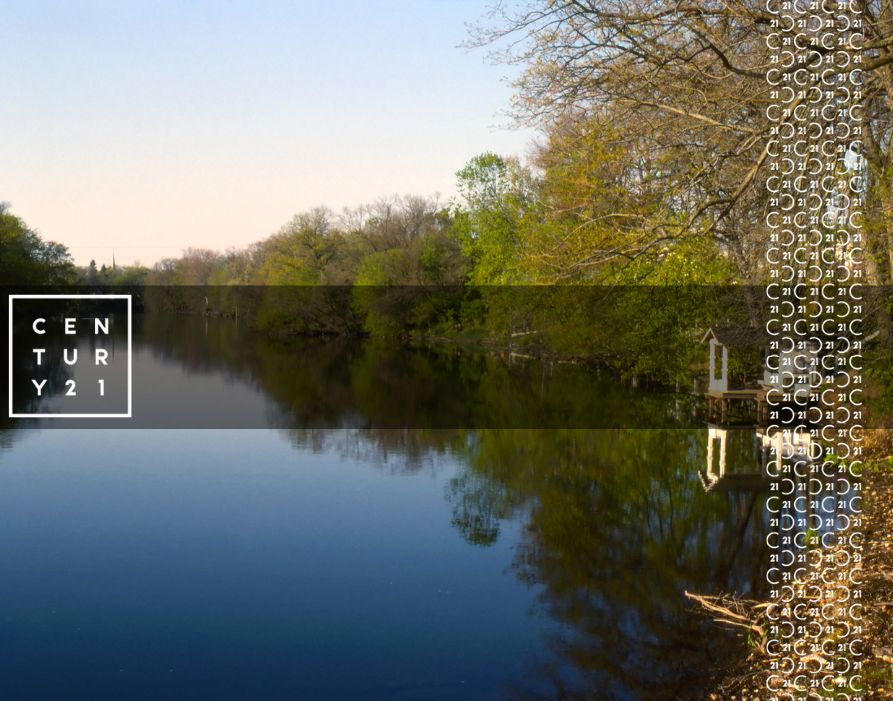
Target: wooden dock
[737, 406]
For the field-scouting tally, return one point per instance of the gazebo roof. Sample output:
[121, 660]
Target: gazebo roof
[736, 336]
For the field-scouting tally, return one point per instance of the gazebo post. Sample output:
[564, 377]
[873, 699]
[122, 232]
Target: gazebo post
[725, 368]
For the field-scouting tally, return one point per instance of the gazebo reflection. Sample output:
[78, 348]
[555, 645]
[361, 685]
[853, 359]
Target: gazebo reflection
[748, 458]
[736, 459]
[806, 492]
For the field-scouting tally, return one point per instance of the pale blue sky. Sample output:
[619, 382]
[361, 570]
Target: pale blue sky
[146, 127]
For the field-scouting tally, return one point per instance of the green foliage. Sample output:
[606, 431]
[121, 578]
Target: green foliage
[197, 266]
[693, 261]
[385, 268]
[118, 275]
[496, 196]
[879, 358]
[26, 259]
[301, 252]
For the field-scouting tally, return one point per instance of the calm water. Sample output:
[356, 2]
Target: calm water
[302, 561]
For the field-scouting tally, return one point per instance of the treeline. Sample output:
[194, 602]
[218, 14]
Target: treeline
[572, 214]
[113, 276]
[513, 224]
[26, 259]
[409, 240]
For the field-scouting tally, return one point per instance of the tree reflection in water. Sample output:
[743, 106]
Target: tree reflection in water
[616, 527]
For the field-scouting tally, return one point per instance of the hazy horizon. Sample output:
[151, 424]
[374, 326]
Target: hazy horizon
[140, 131]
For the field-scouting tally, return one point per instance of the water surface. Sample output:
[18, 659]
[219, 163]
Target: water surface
[306, 560]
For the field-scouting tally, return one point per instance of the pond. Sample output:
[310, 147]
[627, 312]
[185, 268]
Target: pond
[389, 523]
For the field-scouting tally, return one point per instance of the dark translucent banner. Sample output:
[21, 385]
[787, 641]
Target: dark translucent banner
[421, 357]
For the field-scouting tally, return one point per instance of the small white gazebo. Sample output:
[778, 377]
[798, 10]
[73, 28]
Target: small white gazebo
[730, 400]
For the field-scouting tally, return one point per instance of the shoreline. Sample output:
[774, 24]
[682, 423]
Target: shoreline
[746, 679]
[877, 587]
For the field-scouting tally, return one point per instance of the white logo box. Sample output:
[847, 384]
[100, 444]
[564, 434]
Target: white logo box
[129, 412]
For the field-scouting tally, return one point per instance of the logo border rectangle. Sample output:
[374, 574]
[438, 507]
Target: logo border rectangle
[129, 414]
